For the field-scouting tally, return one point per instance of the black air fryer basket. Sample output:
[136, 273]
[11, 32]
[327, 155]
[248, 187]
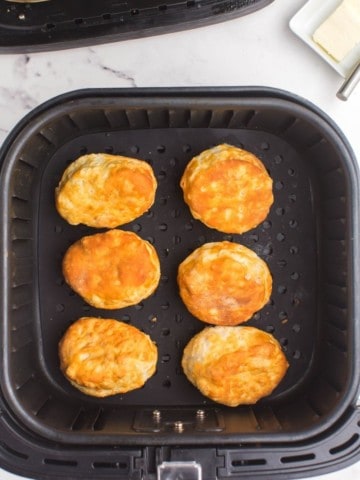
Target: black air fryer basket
[53, 24]
[310, 423]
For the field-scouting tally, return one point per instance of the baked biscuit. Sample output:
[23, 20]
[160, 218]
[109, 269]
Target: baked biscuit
[101, 190]
[103, 357]
[224, 283]
[228, 189]
[112, 269]
[234, 365]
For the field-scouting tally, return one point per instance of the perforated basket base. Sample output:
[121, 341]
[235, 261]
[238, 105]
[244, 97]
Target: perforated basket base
[169, 226]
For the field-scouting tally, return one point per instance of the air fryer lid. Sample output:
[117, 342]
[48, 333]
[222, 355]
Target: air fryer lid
[54, 24]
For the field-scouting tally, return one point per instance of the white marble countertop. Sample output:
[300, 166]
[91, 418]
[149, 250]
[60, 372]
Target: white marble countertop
[258, 50]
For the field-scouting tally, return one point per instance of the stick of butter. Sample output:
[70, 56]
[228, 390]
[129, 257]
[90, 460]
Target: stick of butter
[340, 32]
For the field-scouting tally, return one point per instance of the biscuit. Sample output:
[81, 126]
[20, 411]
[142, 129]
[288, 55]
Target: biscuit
[103, 357]
[228, 189]
[224, 283]
[101, 190]
[234, 365]
[112, 269]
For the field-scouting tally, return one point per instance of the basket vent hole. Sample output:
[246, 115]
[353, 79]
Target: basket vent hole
[178, 318]
[161, 175]
[176, 239]
[60, 281]
[163, 201]
[298, 458]
[270, 328]
[291, 172]
[79, 21]
[296, 355]
[294, 250]
[246, 462]
[283, 316]
[165, 358]
[58, 462]
[257, 316]
[292, 198]
[151, 240]
[139, 306]
[284, 341]
[58, 229]
[150, 214]
[187, 148]
[60, 307]
[164, 279]
[13, 452]
[278, 159]
[189, 226]
[293, 223]
[294, 276]
[83, 151]
[126, 318]
[279, 185]
[134, 149]
[165, 332]
[161, 149]
[280, 211]
[265, 146]
[296, 328]
[86, 308]
[282, 289]
[254, 237]
[345, 445]
[166, 383]
[109, 149]
[175, 213]
[173, 162]
[267, 224]
[106, 16]
[163, 227]
[137, 227]
[282, 263]
[110, 465]
[267, 250]
[165, 306]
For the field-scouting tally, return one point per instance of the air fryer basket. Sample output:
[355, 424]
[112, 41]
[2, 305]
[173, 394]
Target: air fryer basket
[310, 422]
[53, 24]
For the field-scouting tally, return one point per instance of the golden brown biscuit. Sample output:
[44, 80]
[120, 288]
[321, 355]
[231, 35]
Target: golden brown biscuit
[101, 190]
[234, 365]
[103, 357]
[224, 283]
[227, 188]
[112, 269]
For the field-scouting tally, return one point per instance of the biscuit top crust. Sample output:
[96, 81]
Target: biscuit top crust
[112, 269]
[104, 356]
[224, 283]
[227, 188]
[234, 365]
[101, 190]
